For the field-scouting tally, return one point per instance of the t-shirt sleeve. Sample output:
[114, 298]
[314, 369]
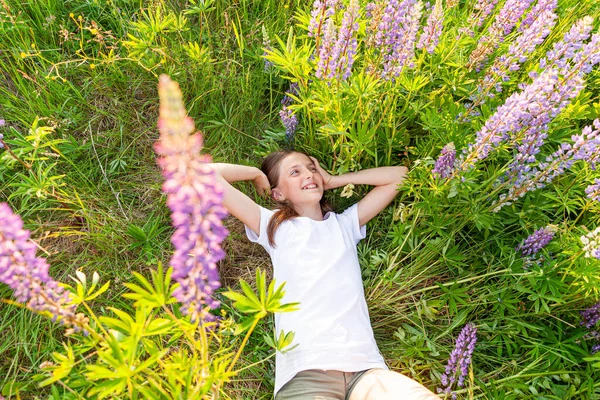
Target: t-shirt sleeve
[349, 219]
[262, 237]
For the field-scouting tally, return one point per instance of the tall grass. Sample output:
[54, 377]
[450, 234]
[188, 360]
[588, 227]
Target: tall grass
[79, 97]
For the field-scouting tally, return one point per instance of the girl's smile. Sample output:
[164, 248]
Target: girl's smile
[300, 183]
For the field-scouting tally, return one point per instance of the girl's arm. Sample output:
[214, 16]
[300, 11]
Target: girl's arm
[237, 203]
[385, 180]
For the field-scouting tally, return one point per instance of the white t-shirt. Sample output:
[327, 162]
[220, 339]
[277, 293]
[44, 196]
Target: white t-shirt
[318, 262]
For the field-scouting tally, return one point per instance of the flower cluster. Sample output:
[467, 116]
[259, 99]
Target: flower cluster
[591, 316]
[266, 47]
[1, 135]
[432, 31]
[517, 53]
[481, 10]
[460, 359]
[572, 41]
[27, 275]
[194, 197]
[394, 36]
[326, 64]
[530, 178]
[337, 51]
[288, 118]
[531, 110]
[591, 244]
[504, 23]
[536, 241]
[289, 121]
[540, 8]
[593, 191]
[445, 162]
[322, 10]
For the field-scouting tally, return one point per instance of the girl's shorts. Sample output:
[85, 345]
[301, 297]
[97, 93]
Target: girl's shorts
[319, 384]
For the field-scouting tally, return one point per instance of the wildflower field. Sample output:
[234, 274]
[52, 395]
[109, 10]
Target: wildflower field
[120, 277]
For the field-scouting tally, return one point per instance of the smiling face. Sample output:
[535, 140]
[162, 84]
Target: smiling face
[299, 182]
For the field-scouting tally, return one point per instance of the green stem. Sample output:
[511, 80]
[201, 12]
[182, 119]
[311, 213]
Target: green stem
[239, 352]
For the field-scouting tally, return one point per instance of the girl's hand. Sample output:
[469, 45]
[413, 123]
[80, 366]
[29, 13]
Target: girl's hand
[261, 184]
[327, 177]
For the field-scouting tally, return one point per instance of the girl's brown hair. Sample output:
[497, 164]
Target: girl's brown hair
[270, 167]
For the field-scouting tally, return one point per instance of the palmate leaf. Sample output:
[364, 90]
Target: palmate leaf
[155, 295]
[267, 301]
[65, 363]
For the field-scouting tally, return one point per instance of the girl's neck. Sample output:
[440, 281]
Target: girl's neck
[312, 211]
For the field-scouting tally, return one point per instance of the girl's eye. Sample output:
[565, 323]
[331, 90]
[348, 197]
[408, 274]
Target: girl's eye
[294, 172]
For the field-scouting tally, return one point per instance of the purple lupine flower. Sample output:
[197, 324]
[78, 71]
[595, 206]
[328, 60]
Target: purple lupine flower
[536, 241]
[393, 38]
[195, 199]
[27, 275]
[541, 7]
[289, 121]
[572, 41]
[1, 135]
[445, 162]
[292, 91]
[460, 359]
[481, 10]
[322, 10]
[503, 24]
[518, 51]
[590, 316]
[531, 178]
[508, 118]
[432, 31]
[345, 47]
[327, 60]
[593, 191]
[266, 47]
[539, 102]
[591, 244]
[595, 348]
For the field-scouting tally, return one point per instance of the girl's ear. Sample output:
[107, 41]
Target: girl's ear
[277, 195]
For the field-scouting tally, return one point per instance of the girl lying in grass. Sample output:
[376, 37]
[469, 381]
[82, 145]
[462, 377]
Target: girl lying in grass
[313, 250]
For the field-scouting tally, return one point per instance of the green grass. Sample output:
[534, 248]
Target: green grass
[93, 199]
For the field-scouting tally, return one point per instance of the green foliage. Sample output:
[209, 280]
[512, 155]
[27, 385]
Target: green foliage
[79, 99]
[152, 351]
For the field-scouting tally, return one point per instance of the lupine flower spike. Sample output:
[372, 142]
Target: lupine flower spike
[584, 147]
[432, 31]
[27, 275]
[1, 135]
[394, 36]
[345, 47]
[460, 360]
[591, 244]
[593, 191]
[481, 10]
[590, 316]
[267, 47]
[194, 197]
[288, 118]
[504, 23]
[445, 162]
[536, 241]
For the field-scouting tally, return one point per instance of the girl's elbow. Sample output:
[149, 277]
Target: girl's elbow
[401, 174]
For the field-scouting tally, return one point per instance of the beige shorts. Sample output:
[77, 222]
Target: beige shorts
[318, 384]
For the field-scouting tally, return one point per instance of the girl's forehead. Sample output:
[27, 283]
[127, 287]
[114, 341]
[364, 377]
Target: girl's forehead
[294, 159]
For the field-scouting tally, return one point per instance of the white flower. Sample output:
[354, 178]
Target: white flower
[591, 243]
[348, 190]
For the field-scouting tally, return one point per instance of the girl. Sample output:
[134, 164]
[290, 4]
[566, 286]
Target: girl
[313, 250]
